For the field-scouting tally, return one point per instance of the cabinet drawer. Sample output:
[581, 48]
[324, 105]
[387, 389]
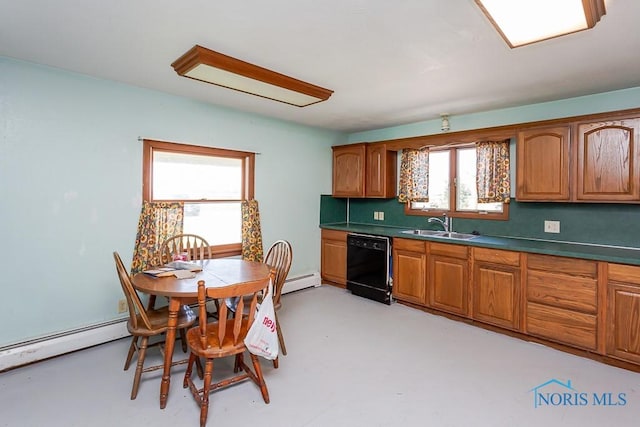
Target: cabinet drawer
[624, 273]
[497, 256]
[334, 235]
[454, 251]
[559, 290]
[565, 326]
[572, 266]
[410, 245]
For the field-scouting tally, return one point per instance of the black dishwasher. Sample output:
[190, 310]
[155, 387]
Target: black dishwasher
[369, 267]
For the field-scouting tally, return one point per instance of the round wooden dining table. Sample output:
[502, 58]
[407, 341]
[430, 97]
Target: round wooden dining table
[217, 272]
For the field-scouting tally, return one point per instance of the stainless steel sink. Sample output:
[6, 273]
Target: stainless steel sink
[454, 235]
[423, 232]
[444, 234]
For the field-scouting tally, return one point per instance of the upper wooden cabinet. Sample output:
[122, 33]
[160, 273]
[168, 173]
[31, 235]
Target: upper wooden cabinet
[608, 161]
[542, 171]
[580, 161]
[364, 170]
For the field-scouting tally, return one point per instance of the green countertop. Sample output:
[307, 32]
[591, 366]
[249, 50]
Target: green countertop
[613, 254]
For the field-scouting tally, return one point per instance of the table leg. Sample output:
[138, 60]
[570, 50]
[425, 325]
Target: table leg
[174, 307]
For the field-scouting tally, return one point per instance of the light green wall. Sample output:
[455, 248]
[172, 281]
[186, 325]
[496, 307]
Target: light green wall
[591, 104]
[70, 187]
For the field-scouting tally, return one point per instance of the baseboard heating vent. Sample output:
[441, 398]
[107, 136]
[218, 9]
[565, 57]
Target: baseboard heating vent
[26, 352]
[301, 282]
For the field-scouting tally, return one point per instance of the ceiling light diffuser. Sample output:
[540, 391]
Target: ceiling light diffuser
[203, 64]
[522, 22]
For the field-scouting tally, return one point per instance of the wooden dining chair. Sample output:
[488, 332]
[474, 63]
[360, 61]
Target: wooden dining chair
[223, 338]
[145, 323]
[194, 247]
[279, 257]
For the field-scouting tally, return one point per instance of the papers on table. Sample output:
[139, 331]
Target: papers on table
[179, 269]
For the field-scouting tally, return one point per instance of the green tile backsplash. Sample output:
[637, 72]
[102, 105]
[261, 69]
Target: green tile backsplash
[607, 224]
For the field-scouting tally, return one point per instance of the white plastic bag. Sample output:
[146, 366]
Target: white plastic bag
[262, 338]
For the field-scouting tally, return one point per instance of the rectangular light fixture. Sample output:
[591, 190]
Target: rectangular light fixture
[522, 22]
[203, 64]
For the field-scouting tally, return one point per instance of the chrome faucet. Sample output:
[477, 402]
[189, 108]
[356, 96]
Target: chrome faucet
[445, 221]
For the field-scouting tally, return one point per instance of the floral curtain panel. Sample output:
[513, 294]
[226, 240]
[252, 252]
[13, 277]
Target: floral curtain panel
[492, 176]
[158, 221]
[251, 232]
[414, 176]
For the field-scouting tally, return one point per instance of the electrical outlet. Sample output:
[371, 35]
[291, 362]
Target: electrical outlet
[381, 216]
[552, 226]
[122, 305]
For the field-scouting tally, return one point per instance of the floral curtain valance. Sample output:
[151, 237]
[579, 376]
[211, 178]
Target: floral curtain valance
[414, 176]
[158, 221]
[492, 175]
[251, 232]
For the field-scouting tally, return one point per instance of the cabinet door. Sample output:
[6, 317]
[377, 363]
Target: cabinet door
[448, 284]
[609, 161]
[542, 169]
[349, 170]
[380, 172]
[623, 314]
[333, 265]
[409, 279]
[496, 294]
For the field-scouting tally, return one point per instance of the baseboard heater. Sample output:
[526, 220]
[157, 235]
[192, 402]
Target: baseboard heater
[23, 353]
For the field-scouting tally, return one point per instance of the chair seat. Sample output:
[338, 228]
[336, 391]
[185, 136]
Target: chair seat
[214, 349]
[158, 321]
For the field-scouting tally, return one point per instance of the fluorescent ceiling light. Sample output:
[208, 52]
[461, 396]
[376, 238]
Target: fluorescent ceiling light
[522, 22]
[212, 67]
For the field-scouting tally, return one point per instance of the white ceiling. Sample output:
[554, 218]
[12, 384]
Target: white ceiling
[389, 62]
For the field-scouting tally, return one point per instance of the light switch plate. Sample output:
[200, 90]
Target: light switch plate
[381, 216]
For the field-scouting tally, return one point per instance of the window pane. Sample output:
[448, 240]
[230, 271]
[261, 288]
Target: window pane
[466, 192]
[439, 180]
[219, 223]
[179, 176]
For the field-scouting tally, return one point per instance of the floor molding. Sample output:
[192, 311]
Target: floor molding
[54, 345]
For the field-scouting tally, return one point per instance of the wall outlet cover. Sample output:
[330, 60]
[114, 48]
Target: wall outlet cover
[552, 226]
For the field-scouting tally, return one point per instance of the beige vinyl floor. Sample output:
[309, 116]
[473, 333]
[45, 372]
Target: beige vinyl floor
[351, 362]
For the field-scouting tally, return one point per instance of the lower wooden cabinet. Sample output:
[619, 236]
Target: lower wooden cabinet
[562, 300]
[448, 278]
[333, 252]
[623, 312]
[409, 270]
[496, 287]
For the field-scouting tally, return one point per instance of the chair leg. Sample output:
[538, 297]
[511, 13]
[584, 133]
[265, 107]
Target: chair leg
[283, 347]
[142, 352]
[187, 374]
[132, 350]
[275, 363]
[261, 383]
[204, 407]
[183, 340]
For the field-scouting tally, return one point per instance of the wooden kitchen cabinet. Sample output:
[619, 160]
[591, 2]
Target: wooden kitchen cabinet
[542, 168]
[333, 265]
[364, 170]
[496, 287]
[380, 172]
[349, 170]
[608, 161]
[409, 270]
[562, 300]
[448, 278]
[623, 312]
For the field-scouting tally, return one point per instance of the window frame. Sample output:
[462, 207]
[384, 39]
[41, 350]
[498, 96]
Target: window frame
[248, 177]
[453, 202]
